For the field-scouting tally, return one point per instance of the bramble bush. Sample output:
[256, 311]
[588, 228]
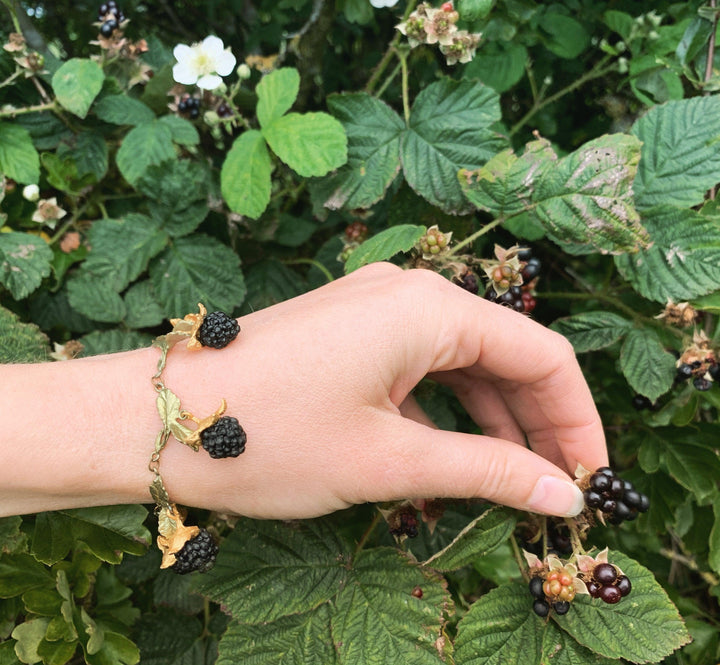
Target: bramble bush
[558, 158]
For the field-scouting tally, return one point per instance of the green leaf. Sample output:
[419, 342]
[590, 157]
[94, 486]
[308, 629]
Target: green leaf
[89, 152]
[643, 627]
[56, 653]
[116, 650]
[113, 341]
[20, 573]
[563, 35]
[19, 159]
[176, 591]
[123, 110]
[7, 653]
[63, 174]
[24, 262]
[647, 366]
[165, 636]
[268, 283]
[500, 70]
[591, 331]
[384, 245]
[311, 143]
[291, 640]
[178, 195]
[471, 10]
[29, 635]
[377, 618]
[146, 145]
[293, 231]
[245, 176]
[620, 22]
[195, 269]
[268, 570]
[181, 130]
[107, 531]
[681, 263]
[692, 463]
[142, 307]
[21, 342]
[586, 198]
[449, 129]
[485, 533]
[95, 297]
[11, 538]
[373, 133]
[500, 628]
[505, 185]
[714, 541]
[680, 155]
[276, 93]
[122, 248]
[77, 83]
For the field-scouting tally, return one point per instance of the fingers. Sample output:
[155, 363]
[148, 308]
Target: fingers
[425, 462]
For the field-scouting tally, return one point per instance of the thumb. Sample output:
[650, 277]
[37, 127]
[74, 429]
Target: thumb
[436, 463]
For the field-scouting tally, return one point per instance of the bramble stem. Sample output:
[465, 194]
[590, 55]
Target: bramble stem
[519, 559]
[474, 236]
[388, 80]
[376, 520]
[405, 87]
[597, 71]
[315, 263]
[38, 108]
[13, 14]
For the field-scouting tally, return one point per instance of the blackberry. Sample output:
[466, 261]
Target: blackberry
[616, 498]
[684, 372]
[561, 607]
[623, 584]
[641, 403]
[224, 439]
[224, 111]
[107, 28]
[531, 270]
[528, 301]
[405, 523]
[524, 254]
[610, 594]
[701, 383]
[198, 553]
[218, 330]
[541, 608]
[468, 281]
[605, 574]
[536, 588]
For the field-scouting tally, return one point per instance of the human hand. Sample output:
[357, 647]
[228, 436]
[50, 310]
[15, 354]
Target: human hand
[322, 385]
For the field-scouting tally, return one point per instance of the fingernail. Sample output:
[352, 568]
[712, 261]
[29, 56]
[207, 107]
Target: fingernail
[556, 496]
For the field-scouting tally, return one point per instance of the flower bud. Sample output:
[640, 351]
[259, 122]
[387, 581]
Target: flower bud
[31, 193]
[243, 71]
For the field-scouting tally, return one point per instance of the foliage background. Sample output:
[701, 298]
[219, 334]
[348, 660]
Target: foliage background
[148, 191]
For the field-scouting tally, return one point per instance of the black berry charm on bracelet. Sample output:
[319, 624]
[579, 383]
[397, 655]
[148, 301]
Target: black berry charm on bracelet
[189, 548]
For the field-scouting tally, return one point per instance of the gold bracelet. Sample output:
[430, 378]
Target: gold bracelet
[189, 548]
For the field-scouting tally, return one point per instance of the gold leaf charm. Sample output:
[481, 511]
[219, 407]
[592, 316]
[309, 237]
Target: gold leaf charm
[192, 437]
[189, 326]
[173, 534]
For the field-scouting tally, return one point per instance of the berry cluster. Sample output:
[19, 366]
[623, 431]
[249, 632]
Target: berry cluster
[226, 438]
[217, 330]
[404, 522]
[111, 17]
[468, 281]
[607, 584]
[615, 498]
[197, 554]
[555, 592]
[433, 242]
[189, 106]
[702, 376]
[356, 232]
[512, 287]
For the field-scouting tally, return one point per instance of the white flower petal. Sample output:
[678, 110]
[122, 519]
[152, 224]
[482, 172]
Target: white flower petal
[225, 63]
[184, 73]
[181, 51]
[213, 46]
[209, 82]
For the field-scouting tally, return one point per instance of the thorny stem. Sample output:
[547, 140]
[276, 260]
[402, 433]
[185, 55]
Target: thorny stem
[38, 108]
[519, 559]
[575, 536]
[474, 236]
[387, 57]
[11, 78]
[597, 71]
[368, 532]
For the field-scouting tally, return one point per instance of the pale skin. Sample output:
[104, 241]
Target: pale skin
[322, 385]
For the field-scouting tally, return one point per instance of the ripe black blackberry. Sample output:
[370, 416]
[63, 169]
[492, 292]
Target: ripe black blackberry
[641, 403]
[561, 607]
[701, 383]
[217, 330]
[189, 106]
[108, 27]
[467, 281]
[404, 523]
[226, 438]
[614, 497]
[197, 554]
[531, 270]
